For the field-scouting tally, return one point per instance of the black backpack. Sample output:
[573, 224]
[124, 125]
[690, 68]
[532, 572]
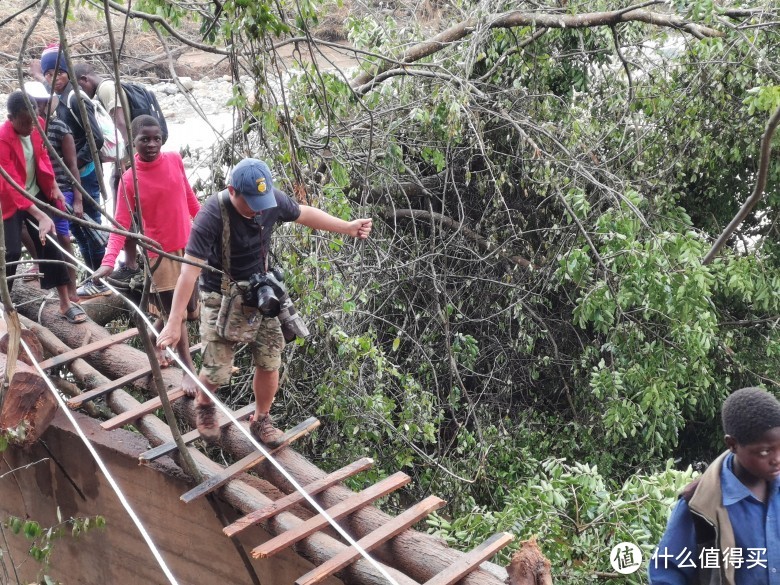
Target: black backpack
[143, 101]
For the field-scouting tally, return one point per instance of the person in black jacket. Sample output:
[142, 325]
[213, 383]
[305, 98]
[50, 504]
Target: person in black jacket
[55, 73]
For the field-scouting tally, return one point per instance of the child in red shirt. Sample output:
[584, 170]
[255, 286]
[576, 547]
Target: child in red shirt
[167, 205]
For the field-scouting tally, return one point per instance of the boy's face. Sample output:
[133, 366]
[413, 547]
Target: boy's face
[148, 142]
[759, 461]
[56, 82]
[22, 123]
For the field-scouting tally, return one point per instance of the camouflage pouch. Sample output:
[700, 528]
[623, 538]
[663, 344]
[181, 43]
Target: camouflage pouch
[235, 321]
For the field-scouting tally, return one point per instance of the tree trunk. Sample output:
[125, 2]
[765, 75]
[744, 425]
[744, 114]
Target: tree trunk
[28, 407]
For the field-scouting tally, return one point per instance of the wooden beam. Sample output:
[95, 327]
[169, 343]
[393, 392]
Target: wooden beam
[143, 409]
[71, 355]
[98, 391]
[290, 500]
[374, 539]
[471, 560]
[318, 522]
[217, 481]
[170, 446]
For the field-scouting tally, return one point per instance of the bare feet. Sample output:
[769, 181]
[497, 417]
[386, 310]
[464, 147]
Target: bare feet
[163, 357]
[206, 420]
[189, 385]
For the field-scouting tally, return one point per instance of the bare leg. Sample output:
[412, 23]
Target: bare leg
[188, 384]
[68, 246]
[62, 293]
[265, 384]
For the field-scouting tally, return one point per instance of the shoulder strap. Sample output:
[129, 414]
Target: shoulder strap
[221, 197]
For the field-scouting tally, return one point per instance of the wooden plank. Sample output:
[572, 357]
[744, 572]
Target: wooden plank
[170, 446]
[77, 401]
[217, 481]
[142, 409]
[318, 522]
[471, 560]
[369, 542]
[290, 500]
[71, 355]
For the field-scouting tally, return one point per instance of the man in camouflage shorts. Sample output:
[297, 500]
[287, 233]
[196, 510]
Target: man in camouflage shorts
[253, 207]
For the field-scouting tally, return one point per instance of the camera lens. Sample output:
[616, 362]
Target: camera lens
[267, 302]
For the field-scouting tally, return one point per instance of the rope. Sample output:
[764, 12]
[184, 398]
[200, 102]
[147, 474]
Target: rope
[100, 463]
[245, 431]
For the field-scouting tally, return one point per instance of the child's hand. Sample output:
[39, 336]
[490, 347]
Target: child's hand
[45, 226]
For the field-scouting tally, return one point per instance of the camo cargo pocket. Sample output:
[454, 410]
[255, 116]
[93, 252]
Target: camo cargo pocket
[236, 322]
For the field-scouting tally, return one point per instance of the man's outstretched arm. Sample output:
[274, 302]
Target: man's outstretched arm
[317, 219]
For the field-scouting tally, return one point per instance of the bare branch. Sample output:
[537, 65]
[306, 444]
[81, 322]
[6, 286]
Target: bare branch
[538, 20]
[758, 191]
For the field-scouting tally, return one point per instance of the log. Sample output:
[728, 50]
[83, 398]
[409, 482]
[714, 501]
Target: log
[29, 405]
[529, 566]
[418, 555]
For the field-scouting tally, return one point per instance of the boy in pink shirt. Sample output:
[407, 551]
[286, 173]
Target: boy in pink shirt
[167, 205]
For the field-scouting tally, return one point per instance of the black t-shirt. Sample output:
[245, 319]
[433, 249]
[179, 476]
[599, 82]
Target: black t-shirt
[250, 239]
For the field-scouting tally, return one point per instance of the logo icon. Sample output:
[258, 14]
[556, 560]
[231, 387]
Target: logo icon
[626, 558]
[261, 185]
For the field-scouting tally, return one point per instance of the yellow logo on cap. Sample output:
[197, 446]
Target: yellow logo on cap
[261, 185]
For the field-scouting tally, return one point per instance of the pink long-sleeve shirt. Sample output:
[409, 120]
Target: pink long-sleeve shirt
[168, 204]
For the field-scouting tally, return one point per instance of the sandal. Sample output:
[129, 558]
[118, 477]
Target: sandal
[74, 315]
[263, 430]
[31, 273]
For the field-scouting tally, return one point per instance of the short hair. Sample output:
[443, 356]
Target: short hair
[83, 68]
[143, 121]
[16, 103]
[749, 413]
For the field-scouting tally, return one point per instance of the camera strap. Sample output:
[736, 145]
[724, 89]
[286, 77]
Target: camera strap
[221, 197]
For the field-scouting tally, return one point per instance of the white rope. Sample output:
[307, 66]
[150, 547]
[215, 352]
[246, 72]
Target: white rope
[227, 412]
[103, 468]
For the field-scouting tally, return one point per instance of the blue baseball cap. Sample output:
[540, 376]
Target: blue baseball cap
[251, 178]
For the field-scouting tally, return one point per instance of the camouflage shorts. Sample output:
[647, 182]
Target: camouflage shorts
[218, 352]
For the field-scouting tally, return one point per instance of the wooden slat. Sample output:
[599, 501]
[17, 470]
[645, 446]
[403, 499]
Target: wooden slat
[471, 560]
[318, 522]
[250, 460]
[77, 401]
[71, 355]
[142, 409]
[290, 500]
[369, 542]
[170, 446]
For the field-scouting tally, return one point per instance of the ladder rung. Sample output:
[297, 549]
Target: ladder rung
[98, 391]
[250, 460]
[471, 560]
[170, 446]
[73, 354]
[141, 410]
[312, 525]
[290, 500]
[369, 542]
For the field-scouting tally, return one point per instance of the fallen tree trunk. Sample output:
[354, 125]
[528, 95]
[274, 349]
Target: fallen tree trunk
[28, 406]
[417, 555]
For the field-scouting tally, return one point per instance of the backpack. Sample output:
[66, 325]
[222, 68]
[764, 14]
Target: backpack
[143, 101]
[113, 148]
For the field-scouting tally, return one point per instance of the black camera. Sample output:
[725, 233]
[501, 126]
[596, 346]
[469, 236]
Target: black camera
[266, 292]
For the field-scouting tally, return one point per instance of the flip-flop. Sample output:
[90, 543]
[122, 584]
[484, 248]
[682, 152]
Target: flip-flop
[75, 315]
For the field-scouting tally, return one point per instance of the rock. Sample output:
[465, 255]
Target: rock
[187, 83]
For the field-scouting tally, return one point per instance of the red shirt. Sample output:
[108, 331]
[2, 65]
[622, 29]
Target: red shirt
[167, 204]
[13, 162]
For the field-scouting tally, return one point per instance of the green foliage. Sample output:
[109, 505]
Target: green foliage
[576, 515]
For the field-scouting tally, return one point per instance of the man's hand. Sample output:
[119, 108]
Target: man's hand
[58, 199]
[360, 228]
[45, 226]
[169, 336]
[101, 272]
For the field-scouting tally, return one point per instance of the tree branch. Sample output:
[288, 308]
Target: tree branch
[538, 20]
[758, 191]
